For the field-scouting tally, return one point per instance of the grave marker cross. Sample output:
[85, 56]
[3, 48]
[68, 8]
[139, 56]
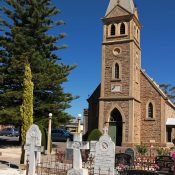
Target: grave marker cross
[77, 145]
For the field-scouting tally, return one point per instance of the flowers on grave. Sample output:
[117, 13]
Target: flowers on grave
[142, 149]
[173, 155]
[121, 167]
[155, 167]
[163, 151]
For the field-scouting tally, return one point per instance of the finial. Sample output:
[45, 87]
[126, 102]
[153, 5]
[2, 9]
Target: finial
[105, 130]
[118, 2]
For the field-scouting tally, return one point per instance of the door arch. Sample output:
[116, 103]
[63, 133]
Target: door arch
[116, 127]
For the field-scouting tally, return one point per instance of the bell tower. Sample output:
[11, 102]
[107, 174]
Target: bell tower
[120, 78]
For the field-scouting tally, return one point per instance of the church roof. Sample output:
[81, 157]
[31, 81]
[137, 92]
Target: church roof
[126, 4]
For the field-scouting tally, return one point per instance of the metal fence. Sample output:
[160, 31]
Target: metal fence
[57, 165]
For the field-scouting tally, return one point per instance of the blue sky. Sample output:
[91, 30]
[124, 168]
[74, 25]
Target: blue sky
[84, 30]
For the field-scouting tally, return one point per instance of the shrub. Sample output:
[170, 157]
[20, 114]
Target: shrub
[94, 135]
[142, 149]
[163, 151]
[44, 138]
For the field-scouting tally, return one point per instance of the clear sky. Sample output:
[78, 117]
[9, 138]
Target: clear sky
[84, 30]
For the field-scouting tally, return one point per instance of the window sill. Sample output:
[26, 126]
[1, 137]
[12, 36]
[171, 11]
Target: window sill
[150, 119]
[116, 80]
[116, 36]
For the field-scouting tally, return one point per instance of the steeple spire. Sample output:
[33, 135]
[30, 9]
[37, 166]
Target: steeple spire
[126, 4]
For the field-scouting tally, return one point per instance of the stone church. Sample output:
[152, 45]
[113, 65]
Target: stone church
[127, 100]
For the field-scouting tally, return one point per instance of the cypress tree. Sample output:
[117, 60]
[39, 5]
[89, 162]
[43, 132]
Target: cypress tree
[27, 106]
[26, 33]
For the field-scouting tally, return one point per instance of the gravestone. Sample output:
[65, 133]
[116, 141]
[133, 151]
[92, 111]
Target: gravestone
[76, 146]
[104, 155]
[33, 148]
[165, 163]
[122, 158]
[92, 147]
[130, 152]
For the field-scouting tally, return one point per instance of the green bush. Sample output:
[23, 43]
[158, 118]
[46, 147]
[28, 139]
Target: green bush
[142, 149]
[163, 151]
[44, 138]
[94, 135]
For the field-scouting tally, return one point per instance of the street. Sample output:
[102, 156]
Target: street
[7, 141]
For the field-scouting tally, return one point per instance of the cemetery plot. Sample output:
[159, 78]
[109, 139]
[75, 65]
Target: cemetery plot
[122, 158]
[165, 163]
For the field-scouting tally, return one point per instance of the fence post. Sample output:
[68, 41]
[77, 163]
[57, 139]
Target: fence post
[27, 166]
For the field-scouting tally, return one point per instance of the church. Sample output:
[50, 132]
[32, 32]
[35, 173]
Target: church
[128, 101]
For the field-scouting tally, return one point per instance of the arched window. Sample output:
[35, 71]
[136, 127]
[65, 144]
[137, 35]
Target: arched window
[150, 110]
[112, 29]
[122, 29]
[117, 71]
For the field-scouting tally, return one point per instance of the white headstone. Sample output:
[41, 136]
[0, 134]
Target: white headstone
[92, 147]
[77, 145]
[104, 155]
[33, 148]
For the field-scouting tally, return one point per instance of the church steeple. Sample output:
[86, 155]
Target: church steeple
[126, 4]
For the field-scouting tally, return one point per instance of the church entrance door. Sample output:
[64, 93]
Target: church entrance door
[116, 127]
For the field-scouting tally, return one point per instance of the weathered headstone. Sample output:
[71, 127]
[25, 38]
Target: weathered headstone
[33, 148]
[130, 152]
[104, 155]
[76, 146]
[92, 147]
[122, 158]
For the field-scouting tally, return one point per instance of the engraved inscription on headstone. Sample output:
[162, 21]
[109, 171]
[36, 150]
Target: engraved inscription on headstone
[104, 155]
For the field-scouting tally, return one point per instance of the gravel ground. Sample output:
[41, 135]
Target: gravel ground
[10, 159]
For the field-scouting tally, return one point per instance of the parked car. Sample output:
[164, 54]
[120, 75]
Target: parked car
[9, 132]
[61, 135]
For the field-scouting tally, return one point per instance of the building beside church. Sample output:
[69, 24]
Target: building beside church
[127, 100]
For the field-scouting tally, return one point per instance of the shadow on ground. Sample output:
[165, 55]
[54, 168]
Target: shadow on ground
[8, 164]
[8, 142]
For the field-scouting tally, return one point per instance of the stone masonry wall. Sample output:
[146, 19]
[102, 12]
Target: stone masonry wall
[169, 112]
[123, 61]
[150, 128]
[137, 121]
